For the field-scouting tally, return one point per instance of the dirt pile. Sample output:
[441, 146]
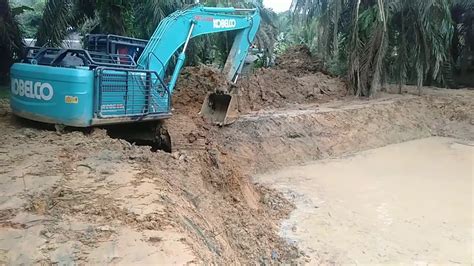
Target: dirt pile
[193, 86]
[276, 88]
[298, 60]
[297, 79]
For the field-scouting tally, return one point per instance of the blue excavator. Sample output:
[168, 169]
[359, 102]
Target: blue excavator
[118, 80]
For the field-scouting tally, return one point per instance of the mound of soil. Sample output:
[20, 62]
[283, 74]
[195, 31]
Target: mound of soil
[276, 88]
[298, 60]
[296, 79]
[193, 86]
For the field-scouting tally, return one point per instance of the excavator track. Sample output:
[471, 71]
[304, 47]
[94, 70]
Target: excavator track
[153, 134]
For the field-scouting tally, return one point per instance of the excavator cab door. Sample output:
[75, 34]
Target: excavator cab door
[220, 108]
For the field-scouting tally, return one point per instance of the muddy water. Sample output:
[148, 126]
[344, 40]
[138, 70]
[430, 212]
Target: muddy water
[404, 203]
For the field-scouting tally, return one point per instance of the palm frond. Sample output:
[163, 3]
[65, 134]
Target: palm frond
[55, 23]
[149, 13]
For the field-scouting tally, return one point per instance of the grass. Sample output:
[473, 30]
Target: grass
[4, 92]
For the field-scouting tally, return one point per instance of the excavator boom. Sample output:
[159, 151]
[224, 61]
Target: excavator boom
[174, 33]
[178, 29]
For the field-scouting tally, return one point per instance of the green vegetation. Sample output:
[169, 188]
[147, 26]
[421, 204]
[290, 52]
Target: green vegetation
[371, 42]
[379, 41]
[138, 18]
[4, 92]
[30, 16]
[10, 39]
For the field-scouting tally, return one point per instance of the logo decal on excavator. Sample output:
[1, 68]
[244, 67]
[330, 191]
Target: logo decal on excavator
[224, 23]
[201, 18]
[33, 90]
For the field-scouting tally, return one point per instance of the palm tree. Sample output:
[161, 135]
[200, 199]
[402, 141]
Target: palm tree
[139, 18]
[462, 13]
[149, 13]
[380, 40]
[11, 42]
[134, 18]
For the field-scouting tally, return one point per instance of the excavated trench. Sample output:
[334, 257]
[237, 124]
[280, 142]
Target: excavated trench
[92, 199]
[409, 202]
[265, 141]
[339, 129]
[88, 198]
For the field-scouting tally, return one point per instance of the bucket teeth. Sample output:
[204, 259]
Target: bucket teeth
[220, 108]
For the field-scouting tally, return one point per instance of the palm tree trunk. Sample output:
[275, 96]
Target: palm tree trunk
[11, 41]
[402, 53]
[354, 60]
[420, 74]
[381, 49]
[337, 16]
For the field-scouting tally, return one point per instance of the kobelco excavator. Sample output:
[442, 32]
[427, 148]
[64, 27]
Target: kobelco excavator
[121, 80]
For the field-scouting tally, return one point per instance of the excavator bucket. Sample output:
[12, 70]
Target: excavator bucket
[220, 108]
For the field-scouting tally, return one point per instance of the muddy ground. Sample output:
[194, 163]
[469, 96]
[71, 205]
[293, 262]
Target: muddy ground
[405, 203]
[84, 197]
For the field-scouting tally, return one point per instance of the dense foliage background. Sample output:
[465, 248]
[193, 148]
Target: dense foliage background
[370, 42]
[378, 41]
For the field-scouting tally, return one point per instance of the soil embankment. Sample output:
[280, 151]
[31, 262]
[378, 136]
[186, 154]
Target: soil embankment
[87, 198]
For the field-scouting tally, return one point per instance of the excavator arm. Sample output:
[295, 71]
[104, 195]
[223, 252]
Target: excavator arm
[174, 33]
